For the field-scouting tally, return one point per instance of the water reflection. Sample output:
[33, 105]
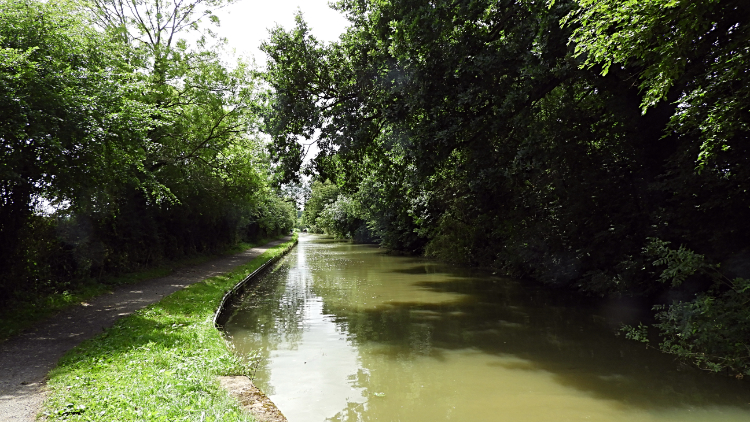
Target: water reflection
[348, 333]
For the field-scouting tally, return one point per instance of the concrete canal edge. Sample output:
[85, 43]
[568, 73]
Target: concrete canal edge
[241, 387]
[222, 314]
[27, 359]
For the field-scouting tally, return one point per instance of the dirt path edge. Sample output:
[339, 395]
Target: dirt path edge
[26, 359]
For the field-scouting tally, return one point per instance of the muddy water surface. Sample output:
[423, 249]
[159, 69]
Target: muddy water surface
[348, 333]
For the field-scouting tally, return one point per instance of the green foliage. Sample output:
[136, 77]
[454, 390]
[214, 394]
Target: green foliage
[393, 205]
[516, 135]
[160, 363]
[341, 218]
[322, 194]
[276, 215]
[710, 331]
[637, 30]
[681, 263]
[122, 143]
[692, 52]
[69, 126]
[639, 333]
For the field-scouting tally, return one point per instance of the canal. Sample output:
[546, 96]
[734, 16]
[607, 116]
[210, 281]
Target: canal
[345, 332]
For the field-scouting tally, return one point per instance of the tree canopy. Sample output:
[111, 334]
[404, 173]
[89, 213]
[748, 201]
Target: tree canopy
[124, 143]
[557, 140]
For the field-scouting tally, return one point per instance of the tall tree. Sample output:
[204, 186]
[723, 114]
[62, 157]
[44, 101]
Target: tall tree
[69, 124]
[516, 134]
[202, 106]
[144, 144]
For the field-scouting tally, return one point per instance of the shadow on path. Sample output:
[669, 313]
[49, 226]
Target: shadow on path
[26, 359]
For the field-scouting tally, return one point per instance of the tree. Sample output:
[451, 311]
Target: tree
[514, 134]
[203, 108]
[322, 194]
[69, 126]
[693, 52]
[138, 146]
[341, 218]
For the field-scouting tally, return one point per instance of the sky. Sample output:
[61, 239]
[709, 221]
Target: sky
[246, 23]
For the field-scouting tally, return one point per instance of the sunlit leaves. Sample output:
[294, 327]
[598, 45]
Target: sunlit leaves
[548, 139]
[113, 120]
[694, 50]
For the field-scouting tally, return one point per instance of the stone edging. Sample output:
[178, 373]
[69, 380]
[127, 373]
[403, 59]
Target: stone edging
[221, 316]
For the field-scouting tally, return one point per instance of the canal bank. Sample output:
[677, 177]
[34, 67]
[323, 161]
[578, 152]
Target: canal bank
[159, 362]
[346, 332]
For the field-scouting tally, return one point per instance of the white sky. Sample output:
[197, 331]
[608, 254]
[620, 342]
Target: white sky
[246, 23]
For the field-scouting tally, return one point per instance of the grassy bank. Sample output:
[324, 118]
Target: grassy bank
[22, 314]
[158, 364]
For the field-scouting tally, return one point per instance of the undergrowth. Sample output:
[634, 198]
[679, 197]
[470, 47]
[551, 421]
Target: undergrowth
[27, 312]
[158, 364]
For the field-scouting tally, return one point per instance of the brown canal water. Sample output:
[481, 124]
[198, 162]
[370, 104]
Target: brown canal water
[348, 333]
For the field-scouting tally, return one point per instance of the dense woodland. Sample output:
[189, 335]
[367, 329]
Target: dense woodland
[123, 144]
[595, 145]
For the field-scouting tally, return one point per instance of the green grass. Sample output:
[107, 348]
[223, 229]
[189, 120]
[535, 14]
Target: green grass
[20, 315]
[158, 364]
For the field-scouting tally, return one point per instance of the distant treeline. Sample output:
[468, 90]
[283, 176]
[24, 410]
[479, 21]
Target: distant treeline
[121, 144]
[600, 145]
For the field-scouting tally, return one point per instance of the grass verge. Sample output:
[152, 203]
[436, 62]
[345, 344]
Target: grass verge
[158, 364]
[20, 315]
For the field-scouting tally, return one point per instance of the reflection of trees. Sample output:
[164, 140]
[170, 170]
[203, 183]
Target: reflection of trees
[547, 331]
[272, 309]
[529, 329]
[270, 312]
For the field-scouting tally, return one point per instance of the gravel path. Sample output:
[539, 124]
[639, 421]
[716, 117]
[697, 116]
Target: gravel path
[26, 359]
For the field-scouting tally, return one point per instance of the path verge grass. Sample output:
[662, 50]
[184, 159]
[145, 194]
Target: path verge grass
[22, 314]
[158, 364]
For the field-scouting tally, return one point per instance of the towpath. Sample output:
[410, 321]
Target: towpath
[26, 359]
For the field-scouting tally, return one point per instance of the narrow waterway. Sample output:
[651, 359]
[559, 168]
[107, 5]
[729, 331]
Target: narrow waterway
[348, 333]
